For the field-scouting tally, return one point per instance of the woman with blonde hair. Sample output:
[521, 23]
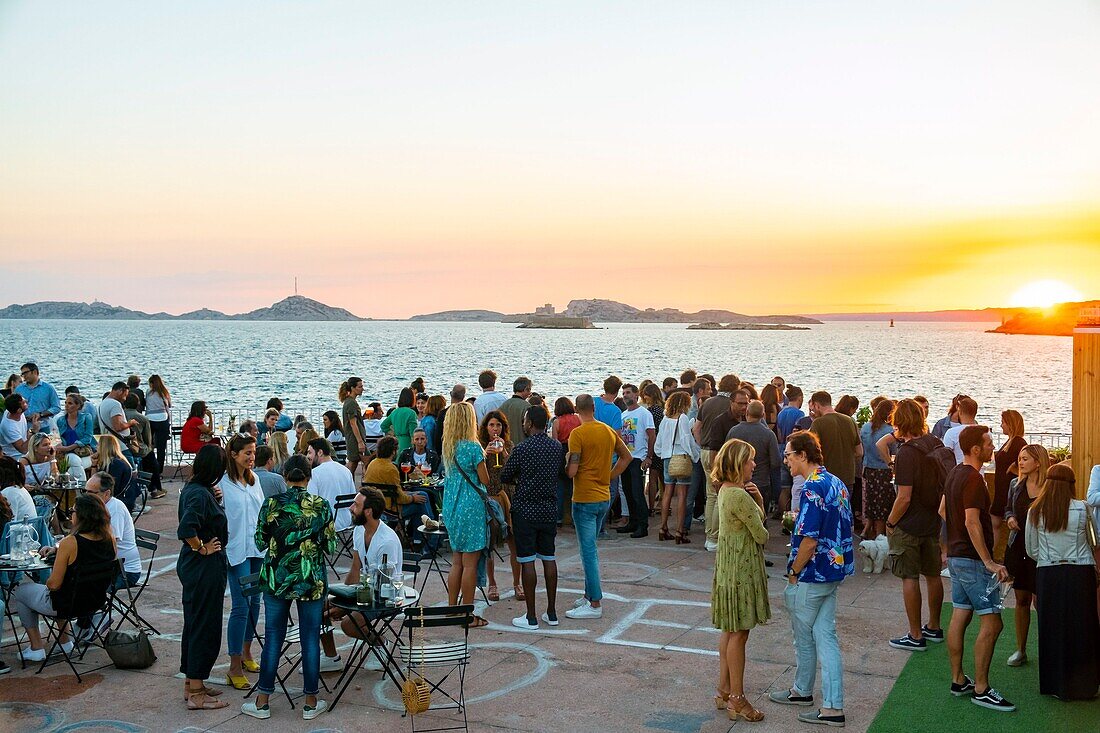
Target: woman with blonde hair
[1056, 536]
[280, 449]
[463, 502]
[40, 461]
[303, 440]
[739, 598]
[674, 439]
[109, 458]
[1032, 462]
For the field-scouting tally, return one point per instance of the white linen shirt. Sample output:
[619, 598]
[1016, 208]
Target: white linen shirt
[384, 542]
[242, 512]
[680, 431]
[330, 480]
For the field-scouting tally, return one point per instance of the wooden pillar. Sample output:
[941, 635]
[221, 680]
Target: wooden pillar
[1086, 396]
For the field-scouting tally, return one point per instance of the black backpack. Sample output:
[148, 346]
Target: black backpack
[935, 457]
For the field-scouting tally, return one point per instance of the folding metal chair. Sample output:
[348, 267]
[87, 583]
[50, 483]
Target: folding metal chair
[443, 658]
[251, 586]
[393, 519]
[345, 537]
[96, 633]
[175, 454]
[141, 480]
[145, 540]
[340, 447]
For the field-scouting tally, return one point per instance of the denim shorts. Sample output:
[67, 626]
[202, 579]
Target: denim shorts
[973, 588]
[683, 480]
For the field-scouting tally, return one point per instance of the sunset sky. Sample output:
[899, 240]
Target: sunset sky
[402, 158]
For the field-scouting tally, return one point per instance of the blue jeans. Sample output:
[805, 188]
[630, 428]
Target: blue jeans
[565, 494]
[245, 613]
[812, 607]
[695, 490]
[127, 580]
[276, 613]
[588, 519]
[414, 510]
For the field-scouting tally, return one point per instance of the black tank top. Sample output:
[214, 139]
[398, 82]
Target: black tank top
[81, 593]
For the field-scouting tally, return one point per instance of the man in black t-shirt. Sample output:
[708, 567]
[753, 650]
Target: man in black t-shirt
[913, 525]
[975, 575]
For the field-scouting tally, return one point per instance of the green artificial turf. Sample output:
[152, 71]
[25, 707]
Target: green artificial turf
[921, 702]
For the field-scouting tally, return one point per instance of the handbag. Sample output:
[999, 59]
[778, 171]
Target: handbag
[133, 443]
[416, 693]
[497, 521]
[130, 649]
[679, 465]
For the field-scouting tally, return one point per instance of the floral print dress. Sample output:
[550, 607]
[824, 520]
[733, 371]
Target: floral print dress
[296, 529]
[463, 507]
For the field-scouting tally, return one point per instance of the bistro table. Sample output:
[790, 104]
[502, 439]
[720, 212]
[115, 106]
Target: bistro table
[8, 576]
[373, 623]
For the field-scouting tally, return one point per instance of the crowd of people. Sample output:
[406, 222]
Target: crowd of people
[517, 468]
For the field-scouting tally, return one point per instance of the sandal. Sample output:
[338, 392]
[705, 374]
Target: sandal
[743, 709]
[201, 701]
[210, 691]
[721, 700]
[493, 594]
[519, 592]
[478, 622]
[250, 665]
[238, 683]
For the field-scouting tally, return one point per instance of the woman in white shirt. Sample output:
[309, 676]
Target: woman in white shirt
[12, 480]
[41, 459]
[1056, 538]
[242, 497]
[675, 439]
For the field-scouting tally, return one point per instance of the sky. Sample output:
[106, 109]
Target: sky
[403, 158]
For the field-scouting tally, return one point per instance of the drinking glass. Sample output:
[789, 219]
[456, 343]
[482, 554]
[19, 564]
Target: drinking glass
[426, 469]
[496, 445]
[398, 581]
[406, 467]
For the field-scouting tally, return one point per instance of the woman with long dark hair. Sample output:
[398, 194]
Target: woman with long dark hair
[565, 420]
[1004, 464]
[334, 429]
[202, 571]
[495, 438]
[354, 433]
[242, 497]
[878, 478]
[198, 429]
[1056, 536]
[158, 410]
[654, 401]
[402, 421]
[88, 549]
[1032, 462]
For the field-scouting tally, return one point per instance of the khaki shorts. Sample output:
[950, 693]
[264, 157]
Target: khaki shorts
[914, 556]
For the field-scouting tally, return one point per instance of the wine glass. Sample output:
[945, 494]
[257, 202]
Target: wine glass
[426, 469]
[406, 467]
[496, 445]
[397, 579]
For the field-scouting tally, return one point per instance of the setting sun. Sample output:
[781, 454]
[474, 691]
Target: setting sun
[1044, 294]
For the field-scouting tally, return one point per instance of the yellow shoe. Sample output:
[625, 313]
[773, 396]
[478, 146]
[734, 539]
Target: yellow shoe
[240, 683]
[251, 665]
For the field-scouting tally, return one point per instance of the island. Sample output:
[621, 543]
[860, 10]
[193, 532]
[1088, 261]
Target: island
[292, 308]
[1056, 321]
[713, 326]
[465, 316]
[564, 322]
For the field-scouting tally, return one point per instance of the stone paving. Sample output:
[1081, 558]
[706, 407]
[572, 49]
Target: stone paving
[649, 664]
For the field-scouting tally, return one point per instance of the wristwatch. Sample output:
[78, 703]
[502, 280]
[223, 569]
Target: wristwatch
[891, 526]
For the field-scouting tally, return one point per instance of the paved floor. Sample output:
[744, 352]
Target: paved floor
[649, 664]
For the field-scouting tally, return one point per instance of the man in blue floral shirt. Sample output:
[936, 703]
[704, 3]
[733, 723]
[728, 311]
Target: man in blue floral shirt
[821, 557]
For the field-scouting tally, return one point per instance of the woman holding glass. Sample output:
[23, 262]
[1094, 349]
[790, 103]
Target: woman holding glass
[1032, 463]
[495, 439]
[77, 431]
[296, 530]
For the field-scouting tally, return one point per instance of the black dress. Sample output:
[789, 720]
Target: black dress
[203, 579]
[1020, 566]
[1002, 461]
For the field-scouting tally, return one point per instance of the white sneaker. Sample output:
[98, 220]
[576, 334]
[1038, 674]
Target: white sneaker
[67, 647]
[521, 622]
[309, 713]
[585, 611]
[33, 655]
[1018, 659]
[546, 618]
[372, 664]
[580, 602]
[711, 546]
[330, 664]
[250, 709]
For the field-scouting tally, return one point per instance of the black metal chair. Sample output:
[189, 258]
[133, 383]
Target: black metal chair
[141, 479]
[175, 453]
[344, 538]
[91, 579]
[443, 658]
[145, 540]
[393, 519]
[340, 447]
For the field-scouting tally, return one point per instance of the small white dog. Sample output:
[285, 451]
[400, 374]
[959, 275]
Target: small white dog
[874, 553]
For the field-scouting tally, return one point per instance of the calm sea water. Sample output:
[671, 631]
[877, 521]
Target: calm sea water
[236, 366]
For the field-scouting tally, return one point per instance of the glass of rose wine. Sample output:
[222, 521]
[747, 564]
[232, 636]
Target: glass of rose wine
[406, 467]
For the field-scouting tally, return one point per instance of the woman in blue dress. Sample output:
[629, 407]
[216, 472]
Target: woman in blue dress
[463, 503]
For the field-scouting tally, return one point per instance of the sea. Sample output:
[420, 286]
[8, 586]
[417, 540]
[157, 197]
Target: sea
[236, 366]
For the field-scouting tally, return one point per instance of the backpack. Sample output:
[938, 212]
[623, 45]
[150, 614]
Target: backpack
[935, 457]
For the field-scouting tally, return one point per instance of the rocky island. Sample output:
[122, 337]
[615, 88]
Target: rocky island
[713, 326]
[1057, 321]
[564, 322]
[292, 308]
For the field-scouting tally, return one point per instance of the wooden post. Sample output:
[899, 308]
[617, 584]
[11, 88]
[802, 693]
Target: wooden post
[1086, 396]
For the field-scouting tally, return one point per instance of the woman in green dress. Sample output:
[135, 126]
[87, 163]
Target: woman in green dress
[739, 599]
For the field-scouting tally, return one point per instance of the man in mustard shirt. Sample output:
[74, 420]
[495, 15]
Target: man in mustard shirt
[591, 446]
